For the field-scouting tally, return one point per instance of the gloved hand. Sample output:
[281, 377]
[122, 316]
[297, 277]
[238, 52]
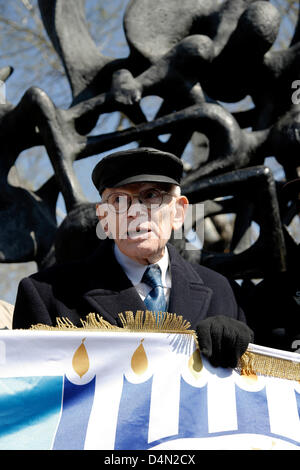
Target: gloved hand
[223, 340]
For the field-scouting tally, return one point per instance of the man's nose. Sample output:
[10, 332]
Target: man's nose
[136, 207]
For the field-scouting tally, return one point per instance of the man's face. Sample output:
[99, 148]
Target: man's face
[142, 230]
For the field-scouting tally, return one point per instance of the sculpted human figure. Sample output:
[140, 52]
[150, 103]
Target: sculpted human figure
[135, 268]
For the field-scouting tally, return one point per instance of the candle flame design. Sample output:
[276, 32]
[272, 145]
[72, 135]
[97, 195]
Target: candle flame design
[80, 362]
[249, 377]
[195, 363]
[139, 361]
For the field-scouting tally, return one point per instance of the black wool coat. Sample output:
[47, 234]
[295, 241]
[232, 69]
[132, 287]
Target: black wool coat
[98, 284]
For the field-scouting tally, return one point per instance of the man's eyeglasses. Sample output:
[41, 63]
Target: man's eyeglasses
[150, 197]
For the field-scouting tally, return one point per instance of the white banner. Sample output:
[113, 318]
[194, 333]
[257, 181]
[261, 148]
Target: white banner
[86, 389]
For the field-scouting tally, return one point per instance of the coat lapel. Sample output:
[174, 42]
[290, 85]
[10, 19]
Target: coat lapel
[110, 303]
[189, 296]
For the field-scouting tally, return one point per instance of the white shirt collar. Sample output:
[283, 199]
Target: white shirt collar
[135, 271]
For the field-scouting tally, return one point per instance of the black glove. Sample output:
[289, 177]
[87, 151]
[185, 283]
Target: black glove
[223, 340]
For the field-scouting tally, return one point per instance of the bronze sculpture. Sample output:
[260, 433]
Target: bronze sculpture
[194, 55]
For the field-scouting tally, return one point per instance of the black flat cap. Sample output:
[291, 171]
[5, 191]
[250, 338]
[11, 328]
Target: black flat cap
[137, 166]
[291, 190]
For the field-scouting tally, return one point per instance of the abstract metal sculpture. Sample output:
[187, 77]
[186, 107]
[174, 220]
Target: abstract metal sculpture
[195, 55]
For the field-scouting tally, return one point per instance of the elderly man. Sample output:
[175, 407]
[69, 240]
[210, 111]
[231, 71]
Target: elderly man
[136, 268]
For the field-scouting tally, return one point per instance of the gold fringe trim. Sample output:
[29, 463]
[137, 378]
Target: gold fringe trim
[147, 321]
[259, 364]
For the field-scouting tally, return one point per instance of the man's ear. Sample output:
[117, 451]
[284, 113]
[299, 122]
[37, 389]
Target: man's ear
[181, 206]
[99, 211]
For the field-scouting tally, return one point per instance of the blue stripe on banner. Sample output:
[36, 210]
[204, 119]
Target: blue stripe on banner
[252, 411]
[193, 414]
[77, 405]
[133, 419]
[297, 395]
[29, 412]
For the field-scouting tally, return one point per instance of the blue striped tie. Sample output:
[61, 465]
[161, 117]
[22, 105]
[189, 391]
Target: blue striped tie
[155, 300]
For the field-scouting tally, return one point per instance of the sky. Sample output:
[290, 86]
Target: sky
[21, 57]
